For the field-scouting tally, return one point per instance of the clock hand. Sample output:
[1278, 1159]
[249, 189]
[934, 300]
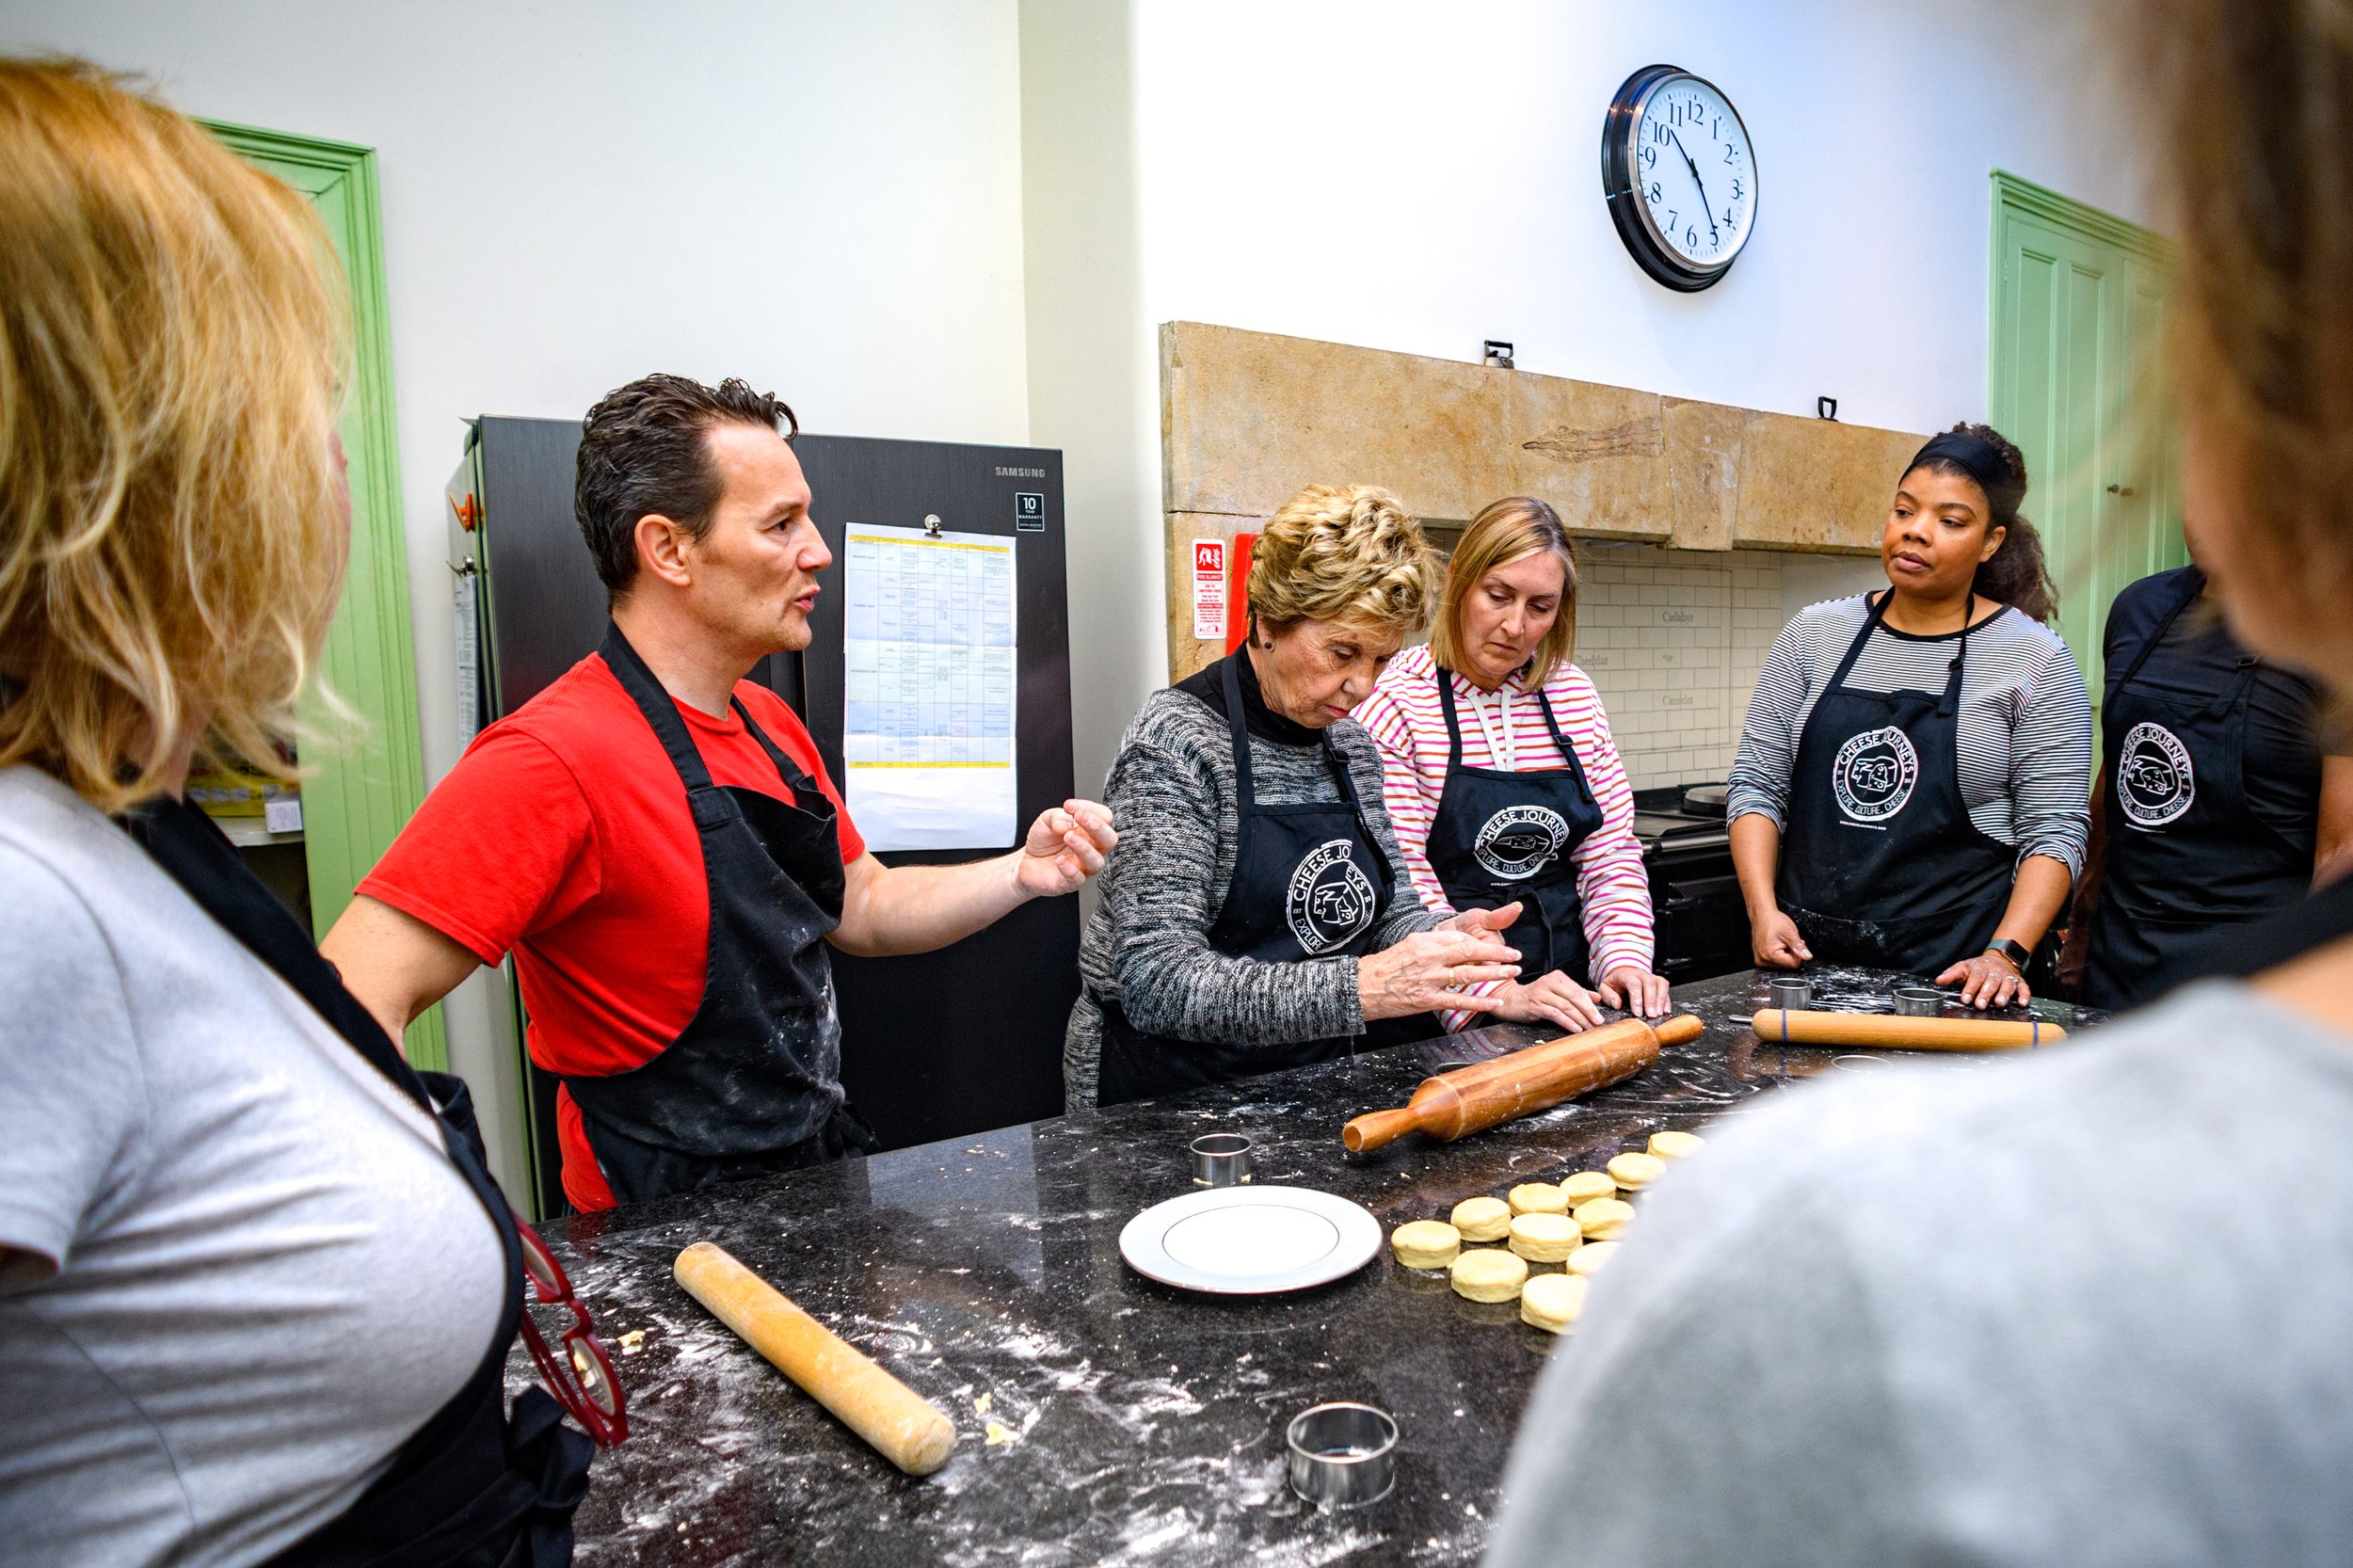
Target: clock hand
[1702, 183]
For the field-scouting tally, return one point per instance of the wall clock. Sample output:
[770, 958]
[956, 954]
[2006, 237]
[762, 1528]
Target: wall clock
[1679, 176]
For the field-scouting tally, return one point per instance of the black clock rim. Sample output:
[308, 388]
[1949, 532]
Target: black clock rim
[1619, 191]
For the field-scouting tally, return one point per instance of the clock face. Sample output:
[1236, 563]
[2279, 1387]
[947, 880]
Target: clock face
[1680, 176]
[1699, 178]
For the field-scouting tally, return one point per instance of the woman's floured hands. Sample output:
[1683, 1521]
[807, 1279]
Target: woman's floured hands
[1637, 990]
[1428, 972]
[1773, 940]
[1989, 980]
[1553, 999]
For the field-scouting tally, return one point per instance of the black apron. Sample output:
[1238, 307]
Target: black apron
[2243, 951]
[2185, 852]
[1881, 865]
[477, 1486]
[1309, 881]
[1500, 836]
[753, 1084]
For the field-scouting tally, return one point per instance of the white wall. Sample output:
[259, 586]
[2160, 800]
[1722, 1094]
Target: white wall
[1421, 178]
[1099, 400]
[824, 199]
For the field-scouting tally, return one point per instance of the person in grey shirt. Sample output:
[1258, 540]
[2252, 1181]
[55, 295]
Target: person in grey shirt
[2093, 1306]
[1913, 782]
[1257, 914]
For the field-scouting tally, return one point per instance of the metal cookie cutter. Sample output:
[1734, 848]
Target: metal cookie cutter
[1792, 994]
[1221, 1160]
[1918, 1001]
[1342, 1455]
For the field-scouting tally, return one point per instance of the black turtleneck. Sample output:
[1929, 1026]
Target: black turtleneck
[1208, 686]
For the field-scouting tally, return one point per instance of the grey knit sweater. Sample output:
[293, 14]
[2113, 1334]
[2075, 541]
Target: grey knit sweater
[1172, 791]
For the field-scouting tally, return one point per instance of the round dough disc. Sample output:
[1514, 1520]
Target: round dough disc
[1538, 1197]
[1545, 1238]
[1552, 1302]
[1426, 1244]
[1676, 1145]
[1588, 1260]
[1482, 1219]
[1489, 1274]
[1586, 1186]
[1604, 1218]
[1635, 1172]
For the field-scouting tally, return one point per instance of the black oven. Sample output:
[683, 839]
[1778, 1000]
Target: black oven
[1703, 925]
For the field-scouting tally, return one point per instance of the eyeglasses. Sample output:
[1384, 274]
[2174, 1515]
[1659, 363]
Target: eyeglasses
[582, 1379]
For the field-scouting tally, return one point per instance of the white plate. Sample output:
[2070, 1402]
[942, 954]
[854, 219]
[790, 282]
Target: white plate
[1251, 1241]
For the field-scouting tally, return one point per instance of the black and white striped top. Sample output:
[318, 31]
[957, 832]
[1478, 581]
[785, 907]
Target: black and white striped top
[2026, 719]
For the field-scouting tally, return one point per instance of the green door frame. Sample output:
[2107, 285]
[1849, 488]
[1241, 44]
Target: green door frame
[2131, 533]
[356, 799]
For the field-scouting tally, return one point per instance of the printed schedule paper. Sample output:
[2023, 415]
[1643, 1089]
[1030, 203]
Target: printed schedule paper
[927, 739]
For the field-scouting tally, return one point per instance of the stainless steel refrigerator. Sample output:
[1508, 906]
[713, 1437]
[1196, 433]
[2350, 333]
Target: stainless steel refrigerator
[934, 1046]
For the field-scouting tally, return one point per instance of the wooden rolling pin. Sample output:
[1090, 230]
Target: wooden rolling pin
[1472, 1099]
[908, 1429]
[1886, 1028]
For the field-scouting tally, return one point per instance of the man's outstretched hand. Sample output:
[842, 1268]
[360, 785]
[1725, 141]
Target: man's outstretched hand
[1066, 845]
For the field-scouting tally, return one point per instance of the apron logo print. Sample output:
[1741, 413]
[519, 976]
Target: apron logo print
[2153, 779]
[1874, 774]
[1520, 840]
[1331, 898]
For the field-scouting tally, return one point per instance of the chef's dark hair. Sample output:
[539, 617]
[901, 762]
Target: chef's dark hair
[2015, 574]
[642, 452]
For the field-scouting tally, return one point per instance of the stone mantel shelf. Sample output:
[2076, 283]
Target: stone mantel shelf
[1247, 418]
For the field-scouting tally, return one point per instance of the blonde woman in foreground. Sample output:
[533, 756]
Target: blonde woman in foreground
[1928, 1319]
[1257, 914]
[256, 1290]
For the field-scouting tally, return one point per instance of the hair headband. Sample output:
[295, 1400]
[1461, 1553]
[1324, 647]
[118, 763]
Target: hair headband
[1982, 461]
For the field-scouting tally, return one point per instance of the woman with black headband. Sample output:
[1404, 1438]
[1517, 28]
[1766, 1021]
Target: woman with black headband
[1911, 783]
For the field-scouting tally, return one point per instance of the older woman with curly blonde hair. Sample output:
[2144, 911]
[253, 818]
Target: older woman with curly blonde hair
[1257, 914]
[256, 1289]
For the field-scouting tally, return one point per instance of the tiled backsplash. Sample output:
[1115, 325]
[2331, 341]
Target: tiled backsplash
[1674, 639]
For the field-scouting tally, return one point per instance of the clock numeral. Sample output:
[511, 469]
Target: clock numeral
[1653, 191]
[1727, 151]
[1690, 239]
[1737, 191]
[1670, 220]
[1650, 158]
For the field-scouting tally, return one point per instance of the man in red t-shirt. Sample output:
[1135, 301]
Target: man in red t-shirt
[655, 840]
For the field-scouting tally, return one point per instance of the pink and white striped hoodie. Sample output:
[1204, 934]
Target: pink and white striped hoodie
[1405, 721]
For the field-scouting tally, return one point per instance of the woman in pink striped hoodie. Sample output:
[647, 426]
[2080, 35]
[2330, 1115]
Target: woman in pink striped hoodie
[1503, 784]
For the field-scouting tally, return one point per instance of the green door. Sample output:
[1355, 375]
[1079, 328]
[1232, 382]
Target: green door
[359, 796]
[2078, 304]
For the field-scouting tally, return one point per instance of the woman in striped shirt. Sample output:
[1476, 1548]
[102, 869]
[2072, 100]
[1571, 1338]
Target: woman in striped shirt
[1525, 803]
[1912, 784]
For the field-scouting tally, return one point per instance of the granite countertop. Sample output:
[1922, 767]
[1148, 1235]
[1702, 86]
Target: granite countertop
[1104, 1418]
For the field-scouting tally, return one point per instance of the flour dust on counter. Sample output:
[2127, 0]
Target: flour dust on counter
[1133, 1422]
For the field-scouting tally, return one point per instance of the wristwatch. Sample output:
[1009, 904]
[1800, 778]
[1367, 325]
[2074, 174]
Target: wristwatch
[2017, 953]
